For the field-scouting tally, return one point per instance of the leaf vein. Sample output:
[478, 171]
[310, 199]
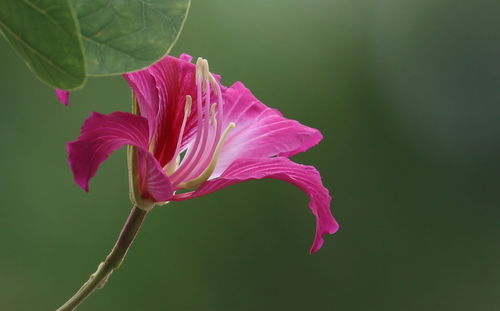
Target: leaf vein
[35, 51]
[112, 48]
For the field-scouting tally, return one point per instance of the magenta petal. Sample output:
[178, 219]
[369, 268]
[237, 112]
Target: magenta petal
[161, 91]
[101, 135]
[186, 57]
[63, 96]
[260, 131]
[154, 183]
[306, 178]
[144, 88]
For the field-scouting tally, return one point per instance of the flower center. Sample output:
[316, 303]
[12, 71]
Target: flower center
[200, 156]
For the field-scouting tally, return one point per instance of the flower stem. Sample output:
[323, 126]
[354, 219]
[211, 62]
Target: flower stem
[112, 262]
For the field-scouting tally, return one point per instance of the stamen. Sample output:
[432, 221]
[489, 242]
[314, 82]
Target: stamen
[169, 168]
[187, 107]
[217, 91]
[201, 155]
[194, 183]
[198, 69]
[191, 164]
[215, 135]
[193, 150]
[152, 146]
[212, 114]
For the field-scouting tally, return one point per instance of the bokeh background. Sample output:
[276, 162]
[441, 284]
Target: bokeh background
[406, 94]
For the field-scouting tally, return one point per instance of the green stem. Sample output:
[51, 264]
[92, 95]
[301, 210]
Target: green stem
[112, 262]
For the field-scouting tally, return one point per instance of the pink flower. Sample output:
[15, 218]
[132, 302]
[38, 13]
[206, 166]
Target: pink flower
[192, 136]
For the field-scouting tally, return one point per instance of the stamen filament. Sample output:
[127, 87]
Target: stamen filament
[201, 155]
[189, 165]
[194, 183]
[193, 150]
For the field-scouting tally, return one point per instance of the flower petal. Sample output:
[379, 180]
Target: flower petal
[144, 88]
[161, 91]
[63, 96]
[260, 131]
[100, 135]
[155, 184]
[304, 177]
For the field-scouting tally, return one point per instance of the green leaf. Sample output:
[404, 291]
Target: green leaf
[46, 35]
[126, 35]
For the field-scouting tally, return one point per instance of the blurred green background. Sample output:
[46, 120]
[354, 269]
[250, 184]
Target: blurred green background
[406, 94]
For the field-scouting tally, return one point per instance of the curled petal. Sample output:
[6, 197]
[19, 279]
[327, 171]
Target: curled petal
[161, 91]
[154, 183]
[260, 131]
[304, 177]
[63, 96]
[101, 135]
[144, 88]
